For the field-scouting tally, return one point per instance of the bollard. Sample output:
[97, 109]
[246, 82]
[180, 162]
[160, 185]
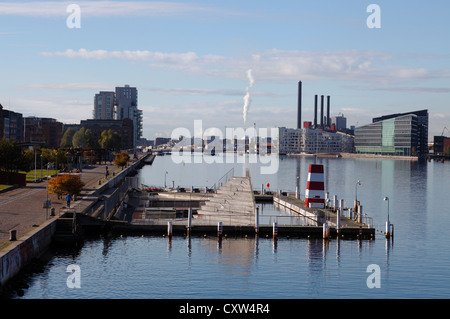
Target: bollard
[12, 235]
[388, 233]
[169, 229]
[338, 216]
[326, 231]
[257, 220]
[189, 221]
[360, 211]
[219, 229]
[52, 211]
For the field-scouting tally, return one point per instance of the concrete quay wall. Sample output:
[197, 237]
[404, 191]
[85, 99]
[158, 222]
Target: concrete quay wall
[21, 252]
[14, 257]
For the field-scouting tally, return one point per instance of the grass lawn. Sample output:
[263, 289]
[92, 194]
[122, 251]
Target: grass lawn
[30, 174]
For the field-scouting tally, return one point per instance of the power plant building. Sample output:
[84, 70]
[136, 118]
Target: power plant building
[402, 134]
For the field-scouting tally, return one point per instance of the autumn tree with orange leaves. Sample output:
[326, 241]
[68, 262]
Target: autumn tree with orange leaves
[65, 184]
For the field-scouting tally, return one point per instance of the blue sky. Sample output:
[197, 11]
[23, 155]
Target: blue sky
[190, 59]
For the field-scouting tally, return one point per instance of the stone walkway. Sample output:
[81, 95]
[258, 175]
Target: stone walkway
[21, 209]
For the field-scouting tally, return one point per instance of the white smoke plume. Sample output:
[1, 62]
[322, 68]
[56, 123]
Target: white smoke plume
[247, 99]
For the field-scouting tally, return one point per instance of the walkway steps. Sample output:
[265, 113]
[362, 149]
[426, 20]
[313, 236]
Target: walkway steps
[234, 203]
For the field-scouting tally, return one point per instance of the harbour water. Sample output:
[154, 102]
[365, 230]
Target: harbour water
[415, 264]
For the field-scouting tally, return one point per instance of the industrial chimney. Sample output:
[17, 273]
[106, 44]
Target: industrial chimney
[321, 111]
[328, 112]
[315, 111]
[299, 105]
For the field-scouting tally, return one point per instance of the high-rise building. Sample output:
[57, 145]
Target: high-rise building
[126, 107]
[104, 106]
[403, 134]
[119, 105]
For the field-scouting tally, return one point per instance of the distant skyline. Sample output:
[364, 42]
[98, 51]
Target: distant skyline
[190, 60]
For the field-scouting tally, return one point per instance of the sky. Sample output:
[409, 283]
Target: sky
[202, 60]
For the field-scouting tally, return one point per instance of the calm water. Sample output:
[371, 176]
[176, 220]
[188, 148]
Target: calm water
[415, 265]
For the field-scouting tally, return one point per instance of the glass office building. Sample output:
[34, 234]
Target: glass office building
[397, 134]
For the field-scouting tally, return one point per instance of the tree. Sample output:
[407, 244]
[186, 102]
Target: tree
[121, 159]
[12, 158]
[67, 138]
[79, 138]
[110, 140]
[65, 184]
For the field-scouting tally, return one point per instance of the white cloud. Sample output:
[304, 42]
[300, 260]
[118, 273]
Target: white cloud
[50, 9]
[363, 66]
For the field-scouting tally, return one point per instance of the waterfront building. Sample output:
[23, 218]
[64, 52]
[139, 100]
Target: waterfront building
[311, 141]
[404, 134]
[104, 106]
[441, 145]
[339, 122]
[11, 125]
[127, 108]
[47, 132]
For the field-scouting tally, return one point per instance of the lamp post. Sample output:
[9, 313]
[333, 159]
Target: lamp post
[41, 167]
[387, 222]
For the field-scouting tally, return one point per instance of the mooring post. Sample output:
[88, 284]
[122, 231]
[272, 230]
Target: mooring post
[296, 193]
[327, 199]
[257, 220]
[338, 216]
[360, 212]
[326, 232]
[335, 203]
[12, 235]
[388, 233]
[189, 220]
[275, 230]
[219, 229]
[169, 229]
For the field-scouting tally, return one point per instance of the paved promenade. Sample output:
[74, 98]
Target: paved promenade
[22, 209]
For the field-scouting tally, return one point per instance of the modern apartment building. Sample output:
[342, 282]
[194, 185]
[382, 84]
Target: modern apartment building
[104, 106]
[313, 141]
[401, 134]
[119, 105]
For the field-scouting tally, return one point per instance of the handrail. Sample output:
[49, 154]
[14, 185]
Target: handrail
[224, 176]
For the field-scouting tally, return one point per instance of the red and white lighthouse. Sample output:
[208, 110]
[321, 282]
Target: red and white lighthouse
[315, 189]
